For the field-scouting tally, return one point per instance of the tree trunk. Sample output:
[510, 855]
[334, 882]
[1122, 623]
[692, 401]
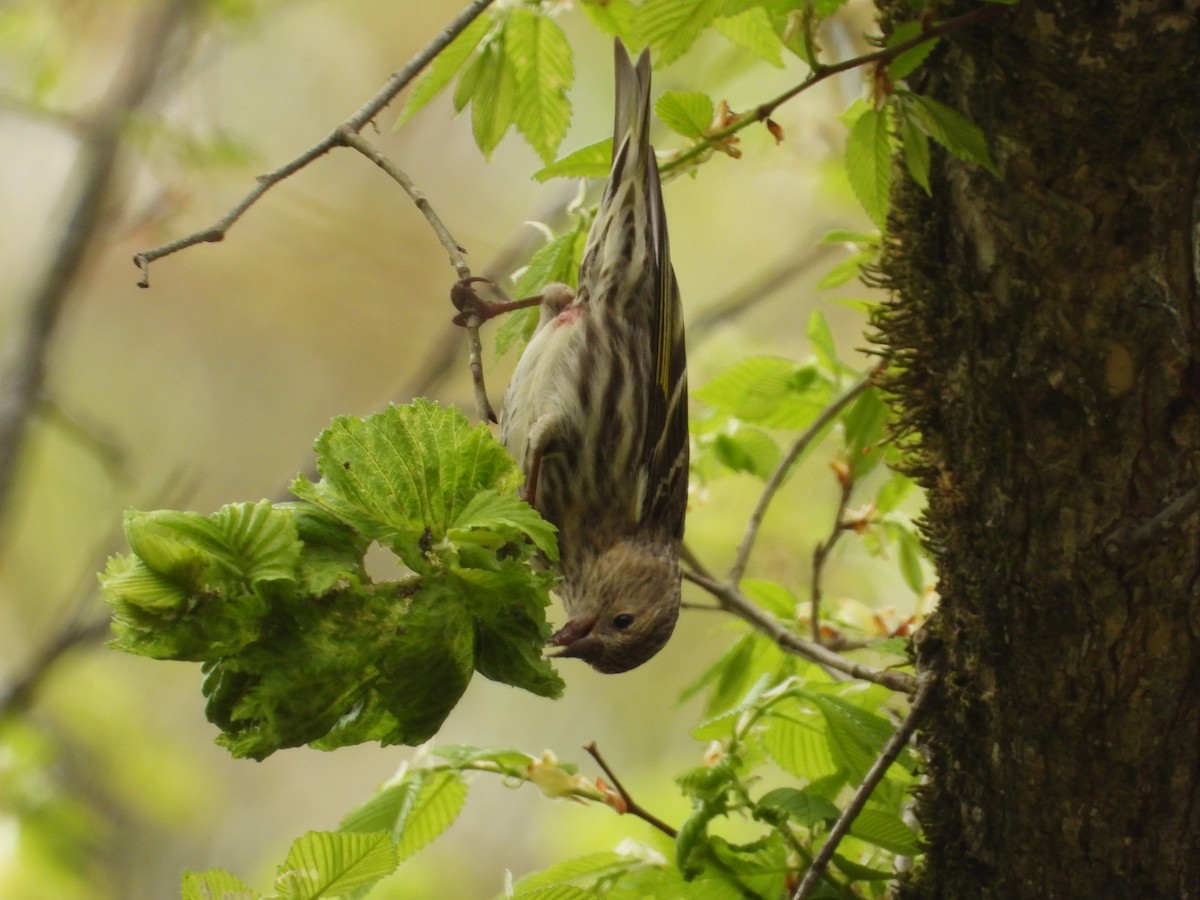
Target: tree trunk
[1047, 326]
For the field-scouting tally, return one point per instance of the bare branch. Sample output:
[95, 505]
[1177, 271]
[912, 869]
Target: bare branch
[18, 694]
[631, 806]
[22, 366]
[354, 124]
[831, 412]
[821, 553]
[887, 756]
[733, 600]
[1183, 506]
[819, 74]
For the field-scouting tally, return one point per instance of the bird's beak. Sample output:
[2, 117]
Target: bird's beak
[574, 631]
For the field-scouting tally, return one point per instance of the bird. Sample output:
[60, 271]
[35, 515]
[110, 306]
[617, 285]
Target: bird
[596, 410]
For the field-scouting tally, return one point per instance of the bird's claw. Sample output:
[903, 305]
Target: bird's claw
[468, 302]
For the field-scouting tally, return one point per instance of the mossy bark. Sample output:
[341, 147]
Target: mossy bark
[1046, 327]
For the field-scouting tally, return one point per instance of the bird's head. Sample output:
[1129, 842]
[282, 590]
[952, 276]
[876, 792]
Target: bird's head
[623, 605]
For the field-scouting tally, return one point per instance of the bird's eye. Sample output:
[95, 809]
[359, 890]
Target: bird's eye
[623, 621]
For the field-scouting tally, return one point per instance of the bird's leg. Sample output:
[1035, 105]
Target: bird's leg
[529, 489]
[467, 301]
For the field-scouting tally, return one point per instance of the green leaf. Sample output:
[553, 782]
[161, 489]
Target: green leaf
[613, 17]
[592, 161]
[541, 60]
[494, 96]
[444, 67]
[820, 339]
[869, 164]
[847, 270]
[495, 519]
[908, 61]
[910, 552]
[802, 808]
[402, 476]
[796, 739]
[504, 760]
[748, 450]
[855, 735]
[672, 26]
[604, 863]
[689, 113]
[771, 596]
[883, 829]
[857, 872]
[215, 884]
[916, 151]
[865, 425]
[329, 864]
[951, 129]
[414, 811]
[768, 391]
[752, 30]
[893, 492]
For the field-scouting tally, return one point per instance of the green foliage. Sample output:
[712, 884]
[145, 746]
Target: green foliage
[298, 644]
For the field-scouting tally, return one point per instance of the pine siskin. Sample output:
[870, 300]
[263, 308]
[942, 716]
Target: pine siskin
[596, 411]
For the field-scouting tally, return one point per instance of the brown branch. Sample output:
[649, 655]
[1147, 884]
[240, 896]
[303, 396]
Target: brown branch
[891, 750]
[631, 805]
[23, 363]
[1183, 506]
[336, 138]
[831, 412]
[820, 73]
[823, 549]
[733, 600]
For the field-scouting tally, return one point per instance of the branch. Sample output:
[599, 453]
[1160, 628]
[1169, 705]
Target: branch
[216, 232]
[733, 600]
[820, 73]
[19, 692]
[831, 412]
[1183, 506]
[631, 806]
[878, 769]
[822, 550]
[453, 249]
[23, 364]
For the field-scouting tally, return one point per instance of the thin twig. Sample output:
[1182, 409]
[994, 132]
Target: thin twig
[23, 360]
[630, 804]
[336, 138]
[831, 412]
[1182, 506]
[895, 744]
[453, 249]
[819, 74]
[821, 553]
[18, 693]
[734, 601]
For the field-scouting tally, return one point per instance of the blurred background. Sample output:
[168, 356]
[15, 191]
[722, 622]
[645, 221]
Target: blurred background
[330, 297]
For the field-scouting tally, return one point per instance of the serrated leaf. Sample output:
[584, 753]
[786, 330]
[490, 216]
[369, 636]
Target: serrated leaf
[883, 829]
[689, 113]
[557, 261]
[893, 492]
[403, 475]
[330, 864]
[215, 884]
[916, 151]
[444, 67]
[592, 161]
[771, 596]
[869, 164]
[795, 739]
[571, 870]
[908, 61]
[497, 518]
[541, 61]
[855, 735]
[504, 760]
[858, 872]
[752, 30]
[769, 391]
[613, 17]
[954, 131]
[672, 26]
[557, 892]
[436, 805]
[493, 98]
[803, 808]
